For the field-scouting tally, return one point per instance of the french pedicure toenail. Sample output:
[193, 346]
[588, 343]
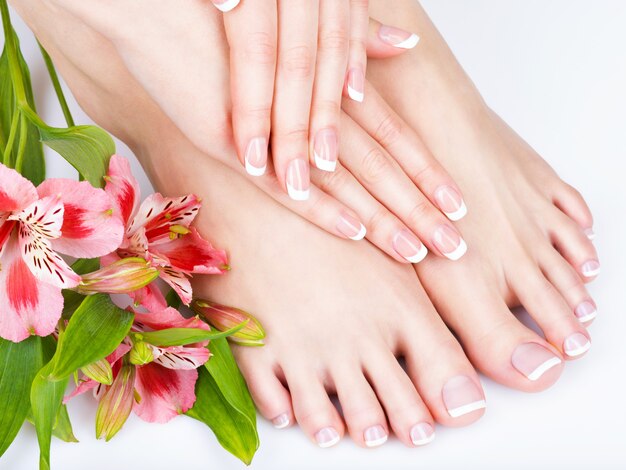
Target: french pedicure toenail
[281, 421]
[462, 396]
[325, 150]
[591, 235]
[356, 84]
[590, 268]
[533, 360]
[298, 180]
[586, 311]
[422, 434]
[397, 37]
[327, 437]
[449, 243]
[225, 5]
[351, 227]
[375, 436]
[576, 345]
[256, 156]
[450, 202]
[409, 247]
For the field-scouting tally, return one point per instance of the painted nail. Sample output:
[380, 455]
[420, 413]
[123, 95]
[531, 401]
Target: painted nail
[576, 345]
[351, 227]
[327, 437]
[325, 150]
[281, 421]
[256, 156]
[590, 268]
[422, 433]
[409, 247]
[449, 243]
[397, 37]
[356, 84]
[450, 202]
[462, 396]
[225, 5]
[375, 436]
[590, 233]
[533, 360]
[586, 311]
[298, 180]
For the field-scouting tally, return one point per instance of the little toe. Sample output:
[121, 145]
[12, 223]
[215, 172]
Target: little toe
[575, 246]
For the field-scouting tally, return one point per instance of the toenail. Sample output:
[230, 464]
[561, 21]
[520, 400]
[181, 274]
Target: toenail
[449, 243]
[450, 202]
[375, 436]
[351, 227]
[327, 437]
[422, 434]
[281, 421]
[590, 233]
[586, 311]
[461, 396]
[590, 268]
[409, 247]
[533, 360]
[576, 344]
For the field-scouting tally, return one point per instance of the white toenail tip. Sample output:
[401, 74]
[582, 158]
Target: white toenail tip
[325, 165]
[360, 235]
[592, 273]
[543, 368]
[408, 43]
[330, 443]
[254, 171]
[465, 409]
[589, 317]
[281, 422]
[298, 194]
[355, 95]
[590, 233]
[421, 254]
[227, 6]
[426, 440]
[458, 214]
[578, 351]
[376, 442]
[459, 252]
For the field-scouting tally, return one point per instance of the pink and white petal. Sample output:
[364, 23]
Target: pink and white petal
[135, 245]
[191, 253]
[119, 352]
[150, 297]
[44, 216]
[84, 385]
[89, 227]
[165, 393]
[168, 318]
[28, 306]
[6, 227]
[122, 187]
[179, 282]
[180, 357]
[16, 192]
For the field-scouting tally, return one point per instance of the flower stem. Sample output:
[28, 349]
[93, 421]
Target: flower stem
[19, 159]
[57, 86]
[11, 139]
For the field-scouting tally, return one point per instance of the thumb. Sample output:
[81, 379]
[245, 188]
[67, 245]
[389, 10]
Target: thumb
[387, 41]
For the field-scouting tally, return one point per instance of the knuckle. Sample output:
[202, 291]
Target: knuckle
[375, 166]
[425, 172]
[389, 130]
[297, 135]
[327, 107]
[330, 182]
[261, 48]
[418, 213]
[377, 220]
[256, 113]
[334, 41]
[297, 61]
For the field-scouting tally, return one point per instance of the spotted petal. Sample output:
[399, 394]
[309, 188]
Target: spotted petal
[180, 357]
[122, 187]
[43, 217]
[16, 192]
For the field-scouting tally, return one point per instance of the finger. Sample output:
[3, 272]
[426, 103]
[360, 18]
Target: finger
[251, 33]
[357, 59]
[377, 118]
[387, 41]
[225, 5]
[332, 60]
[297, 45]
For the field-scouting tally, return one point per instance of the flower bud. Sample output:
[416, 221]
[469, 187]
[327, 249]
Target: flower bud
[116, 404]
[122, 277]
[141, 353]
[224, 318]
[100, 371]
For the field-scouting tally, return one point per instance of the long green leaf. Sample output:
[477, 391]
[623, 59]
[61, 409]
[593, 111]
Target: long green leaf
[181, 336]
[63, 426]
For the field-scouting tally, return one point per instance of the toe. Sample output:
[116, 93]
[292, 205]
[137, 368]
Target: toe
[571, 203]
[575, 246]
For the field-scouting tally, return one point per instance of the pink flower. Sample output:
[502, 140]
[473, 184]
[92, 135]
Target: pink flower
[61, 215]
[159, 231]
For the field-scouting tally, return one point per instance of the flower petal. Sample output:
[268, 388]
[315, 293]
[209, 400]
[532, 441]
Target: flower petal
[116, 404]
[179, 282]
[180, 357]
[44, 217]
[84, 385]
[165, 393]
[16, 192]
[167, 318]
[89, 227]
[192, 254]
[122, 187]
[150, 297]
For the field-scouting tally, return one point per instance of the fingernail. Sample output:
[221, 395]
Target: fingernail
[325, 150]
[256, 156]
[449, 243]
[375, 436]
[450, 202]
[462, 396]
[327, 437]
[422, 433]
[281, 421]
[225, 5]
[590, 233]
[576, 345]
[397, 37]
[409, 247]
[356, 84]
[590, 268]
[533, 360]
[298, 180]
[586, 311]
[351, 227]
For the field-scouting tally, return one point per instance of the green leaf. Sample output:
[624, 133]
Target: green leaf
[63, 427]
[224, 404]
[182, 336]
[173, 300]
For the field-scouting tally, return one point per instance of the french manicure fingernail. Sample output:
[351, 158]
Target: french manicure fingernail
[397, 37]
[325, 150]
[351, 227]
[576, 345]
[586, 311]
[256, 156]
[533, 360]
[422, 433]
[462, 396]
[356, 84]
[281, 421]
[375, 436]
[449, 243]
[450, 202]
[225, 5]
[590, 233]
[327, 437]
[409, 247]
[298, 180]
[591, 268]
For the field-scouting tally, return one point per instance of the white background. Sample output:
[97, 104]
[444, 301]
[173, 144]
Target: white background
[556, 71]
